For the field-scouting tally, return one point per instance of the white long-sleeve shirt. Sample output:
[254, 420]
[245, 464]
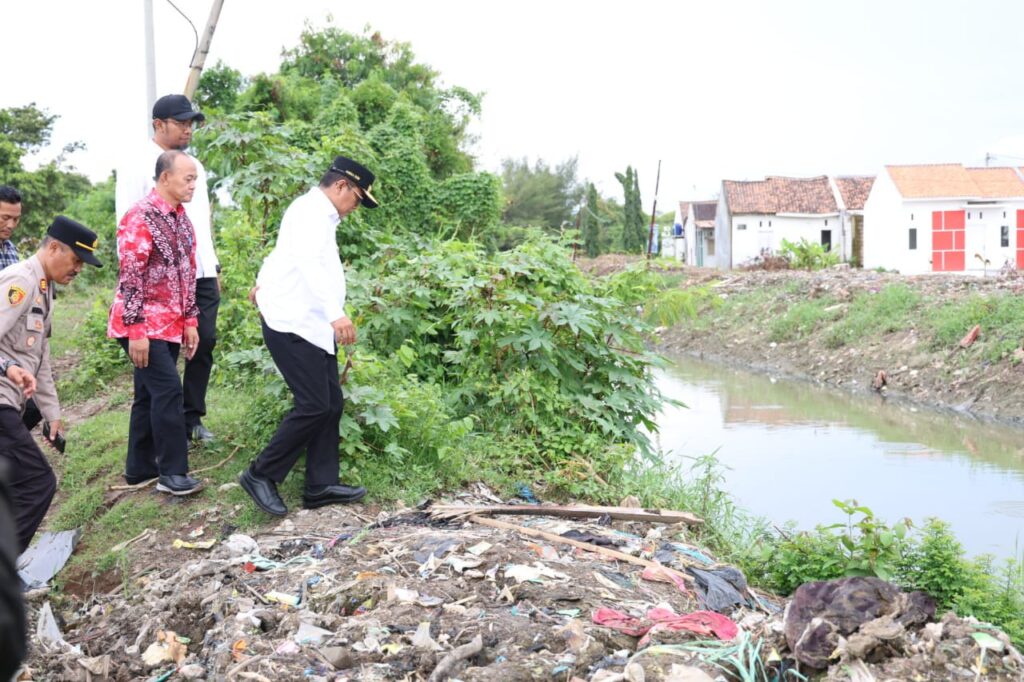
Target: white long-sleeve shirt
[134, 182]
[302, 282]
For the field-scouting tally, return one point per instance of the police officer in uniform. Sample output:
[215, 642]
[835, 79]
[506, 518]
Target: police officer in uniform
[26, 307]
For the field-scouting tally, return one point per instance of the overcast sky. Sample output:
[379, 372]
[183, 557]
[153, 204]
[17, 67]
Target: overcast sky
[723, 89]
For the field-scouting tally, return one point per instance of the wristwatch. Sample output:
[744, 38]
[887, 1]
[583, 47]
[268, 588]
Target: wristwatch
[6, 364]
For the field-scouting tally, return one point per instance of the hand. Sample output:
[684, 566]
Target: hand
[344, 331]
[22, 379]
[55, 428]
[138, 351]
[252, 294]
[191, 342]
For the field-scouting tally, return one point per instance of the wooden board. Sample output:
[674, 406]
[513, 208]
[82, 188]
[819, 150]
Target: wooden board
[573, 511]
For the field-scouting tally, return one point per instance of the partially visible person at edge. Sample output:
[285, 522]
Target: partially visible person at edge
[25, 316]
[300, 291]
[12, 608]
[10, 216]
[173, 120]
[153, 315]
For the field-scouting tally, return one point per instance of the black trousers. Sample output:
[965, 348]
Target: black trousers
[32, 483]
[312, 424]
[157, 440]
[12, 608]
[197, 370]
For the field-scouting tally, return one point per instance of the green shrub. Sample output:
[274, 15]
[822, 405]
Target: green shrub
[806, 255]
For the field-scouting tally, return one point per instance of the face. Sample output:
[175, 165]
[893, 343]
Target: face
[10, 216]
[345, 197]
[180, 182]
[64, 264]
[172, 134]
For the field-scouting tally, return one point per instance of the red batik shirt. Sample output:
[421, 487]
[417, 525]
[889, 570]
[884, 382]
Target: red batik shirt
[156, 284]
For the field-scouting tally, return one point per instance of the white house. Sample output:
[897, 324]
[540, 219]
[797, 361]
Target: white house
[753, 217]
[944, 218]
[851, 193]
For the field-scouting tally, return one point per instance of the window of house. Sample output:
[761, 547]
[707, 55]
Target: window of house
[741, 226]
[826, 239]
[911, 217]
[709, 246]
[826, 222]
[760, 223]
[769, 223]
[913, 238]
[980, 215]
[968, 215]
[1004, 214]
[1004, 235]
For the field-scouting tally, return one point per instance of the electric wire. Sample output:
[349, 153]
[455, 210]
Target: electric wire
[194, 31]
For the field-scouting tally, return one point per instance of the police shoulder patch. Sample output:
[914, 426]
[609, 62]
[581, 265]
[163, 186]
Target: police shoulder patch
[15, 295]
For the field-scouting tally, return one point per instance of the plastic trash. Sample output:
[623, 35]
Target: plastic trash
[720, 589]
[43, 560]
[592, 538]
[661, 619]
[523, 491]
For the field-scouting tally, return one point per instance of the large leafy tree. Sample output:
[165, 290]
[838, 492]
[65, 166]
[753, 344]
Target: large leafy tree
[539, 196]
[46, 191]
[590, 225]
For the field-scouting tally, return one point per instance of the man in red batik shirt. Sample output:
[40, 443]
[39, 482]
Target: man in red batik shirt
[154, 313]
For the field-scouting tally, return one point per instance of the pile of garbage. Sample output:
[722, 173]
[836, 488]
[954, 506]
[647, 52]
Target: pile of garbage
[482, 590]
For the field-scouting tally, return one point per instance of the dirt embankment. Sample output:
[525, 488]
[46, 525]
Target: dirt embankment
[866, 331]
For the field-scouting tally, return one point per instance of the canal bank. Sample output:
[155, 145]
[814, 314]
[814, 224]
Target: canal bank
[907, 339]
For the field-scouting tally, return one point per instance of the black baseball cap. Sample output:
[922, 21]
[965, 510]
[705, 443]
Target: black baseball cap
[80, 238]
[357, 174]
[177, 107]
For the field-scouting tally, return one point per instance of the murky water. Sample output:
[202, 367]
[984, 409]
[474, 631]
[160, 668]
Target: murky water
[792, 448]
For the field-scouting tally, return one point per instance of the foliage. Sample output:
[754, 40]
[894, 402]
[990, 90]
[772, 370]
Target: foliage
[590, 224]
[634, 232]
[798, 320]
[1001, 319]
[47, 191]
[219, 88]
[871, 314]
[806, 255]
[95, 210]
[859, 546]
[540, 196]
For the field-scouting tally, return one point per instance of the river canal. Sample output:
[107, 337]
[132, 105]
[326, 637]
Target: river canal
[792, 447]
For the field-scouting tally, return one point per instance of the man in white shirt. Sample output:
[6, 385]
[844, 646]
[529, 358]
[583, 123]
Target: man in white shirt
[300, 292]
[173, 120]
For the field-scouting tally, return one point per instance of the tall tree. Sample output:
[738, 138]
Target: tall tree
[591, 223]
[634, 236]
[540, 196]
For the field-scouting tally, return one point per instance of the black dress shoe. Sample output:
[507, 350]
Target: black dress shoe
[178, 485]
[331, 494]
[263, 492]
[201, 434]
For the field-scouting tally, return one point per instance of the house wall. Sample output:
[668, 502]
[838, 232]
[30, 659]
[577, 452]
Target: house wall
[984, 235]
[768, 231]
[723, 236]
[888, 219]
[691, 237]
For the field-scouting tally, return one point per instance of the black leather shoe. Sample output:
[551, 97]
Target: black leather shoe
[331, 494]
[201, 434]
[263, 492]
[178, 485]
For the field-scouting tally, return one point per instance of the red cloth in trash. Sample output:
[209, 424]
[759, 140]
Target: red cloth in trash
[658, 619]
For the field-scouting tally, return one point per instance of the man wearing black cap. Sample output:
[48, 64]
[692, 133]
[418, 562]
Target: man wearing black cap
[25, 313]
[301, 296]
[173, 120]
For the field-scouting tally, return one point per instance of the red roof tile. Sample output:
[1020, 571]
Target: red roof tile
[810, 196]
[855, 190]
[994, 183]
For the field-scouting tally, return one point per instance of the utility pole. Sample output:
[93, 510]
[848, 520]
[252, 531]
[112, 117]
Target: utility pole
[654, 211]
[199, 58]
[147, 13]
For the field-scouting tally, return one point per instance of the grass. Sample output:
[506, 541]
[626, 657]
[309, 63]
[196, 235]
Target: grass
[890, 310]
[799, 320]
[1001, 319]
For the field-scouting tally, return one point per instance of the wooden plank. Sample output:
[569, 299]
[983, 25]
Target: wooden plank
[551, 537]
[573, 511]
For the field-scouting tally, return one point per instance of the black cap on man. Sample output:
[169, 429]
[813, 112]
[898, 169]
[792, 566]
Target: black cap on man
[80, 238]
[177, 107]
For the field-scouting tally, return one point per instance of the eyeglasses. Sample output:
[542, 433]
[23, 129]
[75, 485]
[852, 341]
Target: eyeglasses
[187, 125]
